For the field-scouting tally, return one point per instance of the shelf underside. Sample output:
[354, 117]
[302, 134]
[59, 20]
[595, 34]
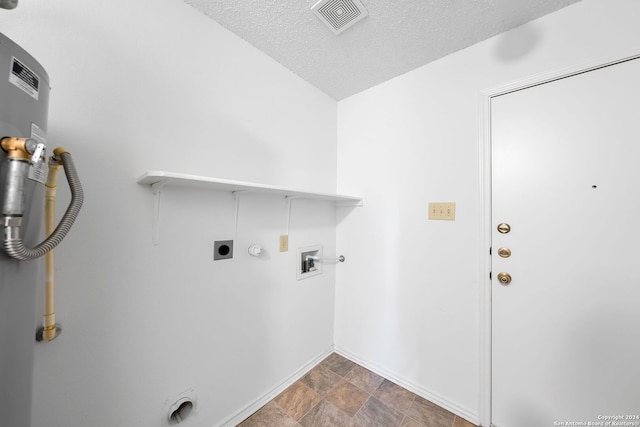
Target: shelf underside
[163, 178]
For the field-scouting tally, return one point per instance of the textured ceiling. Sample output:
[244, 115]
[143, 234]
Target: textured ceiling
[396, 36]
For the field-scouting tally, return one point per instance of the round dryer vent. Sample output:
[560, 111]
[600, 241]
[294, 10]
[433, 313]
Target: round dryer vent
[339, 15]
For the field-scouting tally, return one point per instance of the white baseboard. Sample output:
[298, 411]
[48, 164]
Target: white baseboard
[436, 398]
[258, 403]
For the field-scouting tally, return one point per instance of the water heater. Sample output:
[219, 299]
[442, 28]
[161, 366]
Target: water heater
[24, 99]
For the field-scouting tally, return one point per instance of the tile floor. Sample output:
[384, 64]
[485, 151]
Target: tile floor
[339, 392]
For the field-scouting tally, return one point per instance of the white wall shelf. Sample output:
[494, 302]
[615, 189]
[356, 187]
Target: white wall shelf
[159, 179]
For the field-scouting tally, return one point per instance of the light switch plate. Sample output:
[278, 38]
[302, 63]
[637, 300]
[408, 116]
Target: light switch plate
[442, 211]
[284, 243]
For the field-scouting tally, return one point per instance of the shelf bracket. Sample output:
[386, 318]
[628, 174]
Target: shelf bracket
[289, 199]
[236, 197]
[156, 187]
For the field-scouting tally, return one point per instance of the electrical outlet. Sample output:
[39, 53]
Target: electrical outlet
[284, 243]
[442, 210]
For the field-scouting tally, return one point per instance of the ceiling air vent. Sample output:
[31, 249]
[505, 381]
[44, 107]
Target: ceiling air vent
[339, 15]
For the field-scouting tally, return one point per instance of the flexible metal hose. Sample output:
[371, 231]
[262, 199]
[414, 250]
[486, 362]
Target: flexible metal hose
[13, 242]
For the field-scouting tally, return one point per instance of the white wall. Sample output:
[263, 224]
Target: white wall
[153, 84]
[150, 85]
[408, 305]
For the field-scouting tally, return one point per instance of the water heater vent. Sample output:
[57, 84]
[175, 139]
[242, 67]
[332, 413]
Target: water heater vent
[339, 15]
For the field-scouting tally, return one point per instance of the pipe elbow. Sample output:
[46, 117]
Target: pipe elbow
[16, 148]
[58, 151]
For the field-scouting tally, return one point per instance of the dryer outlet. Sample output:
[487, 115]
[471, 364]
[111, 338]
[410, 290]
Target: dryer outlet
[222, 249]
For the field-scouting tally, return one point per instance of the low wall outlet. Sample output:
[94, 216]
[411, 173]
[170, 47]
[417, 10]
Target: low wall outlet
[222, 249]
[443, 211]
[284, 243]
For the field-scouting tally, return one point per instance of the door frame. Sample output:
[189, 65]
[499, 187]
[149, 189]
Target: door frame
[485, 193]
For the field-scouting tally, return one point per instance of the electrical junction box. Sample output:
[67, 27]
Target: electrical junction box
[306, 265]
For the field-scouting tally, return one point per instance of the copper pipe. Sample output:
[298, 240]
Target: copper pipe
[49, 317]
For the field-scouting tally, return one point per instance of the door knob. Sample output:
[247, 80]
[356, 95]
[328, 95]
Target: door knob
[504, 278]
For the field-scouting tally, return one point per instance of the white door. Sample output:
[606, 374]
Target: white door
[566, 178]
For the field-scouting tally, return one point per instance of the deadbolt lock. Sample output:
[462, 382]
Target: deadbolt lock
[504, 278]
[504, 228]
[504, 252]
